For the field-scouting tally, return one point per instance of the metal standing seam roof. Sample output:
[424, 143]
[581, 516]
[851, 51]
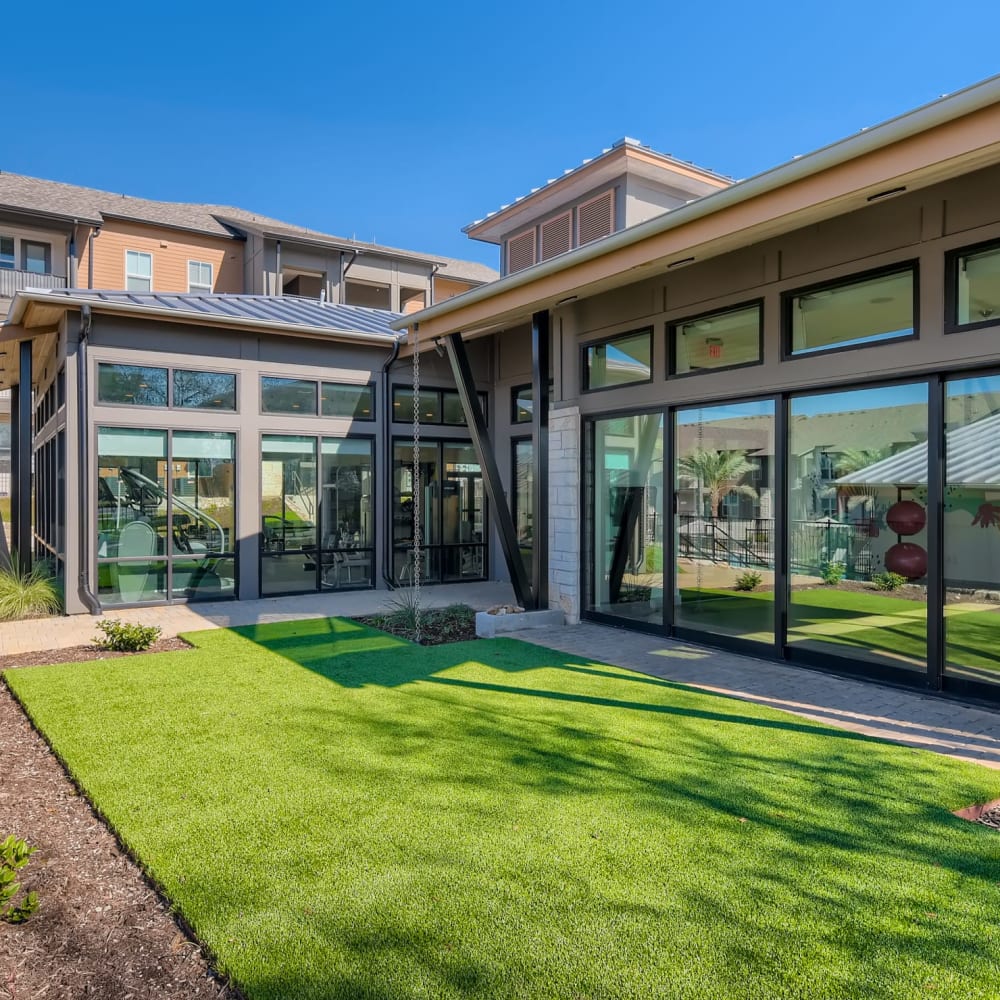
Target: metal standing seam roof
[280, 310]
[973, 459]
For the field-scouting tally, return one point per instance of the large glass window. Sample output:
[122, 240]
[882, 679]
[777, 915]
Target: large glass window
[974, 287]
[132, 385]
[857, 542]
[346, 514]
[724, 525]
[625, 506]
[972, 529]
[204, 390]
[165, 515]
[356, 402]
[429, 404]
[524, 500]
[287, 395]
[7, 260]
[851, 313]
[452, 512]
[619, 361]
[727, 339]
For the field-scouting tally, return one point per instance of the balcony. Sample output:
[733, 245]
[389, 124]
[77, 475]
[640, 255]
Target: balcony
[12, 282]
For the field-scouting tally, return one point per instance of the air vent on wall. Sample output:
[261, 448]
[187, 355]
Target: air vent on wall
[596, 218]
[521, 251]
[557, 235]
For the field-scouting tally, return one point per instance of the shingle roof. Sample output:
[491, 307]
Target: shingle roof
[283, 310]
[69, 201]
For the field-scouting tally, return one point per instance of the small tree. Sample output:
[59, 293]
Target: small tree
[718, 473]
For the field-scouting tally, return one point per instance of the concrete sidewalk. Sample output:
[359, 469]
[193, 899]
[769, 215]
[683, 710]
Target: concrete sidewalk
[911, 717]
[78, 630]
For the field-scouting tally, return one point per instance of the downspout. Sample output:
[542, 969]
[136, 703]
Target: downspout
[71, 275]
[430, 293]
[87, 319]
[95, 231]
[278, 289]
[387, 451]
[344, 268]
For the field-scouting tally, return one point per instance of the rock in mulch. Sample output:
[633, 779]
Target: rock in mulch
[991, 818]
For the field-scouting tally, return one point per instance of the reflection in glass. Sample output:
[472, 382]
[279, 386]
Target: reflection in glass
[287, 395]
[724, 525]
[978, 291]
[857, 467]
[203, 514]
[131, 385]
[451, 408]
[972, 528]
[524, 499]
[131, 515]
[718, 340]
[626, 510]
[204, 390]
[288, 513]
[619, 361]
[861, 312]
[430, 405]
[404, 509]
[462, 509]
[346, 514]
[355, 402]
[521, 398]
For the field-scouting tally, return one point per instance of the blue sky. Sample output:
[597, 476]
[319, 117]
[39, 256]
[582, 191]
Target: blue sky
[404, 122]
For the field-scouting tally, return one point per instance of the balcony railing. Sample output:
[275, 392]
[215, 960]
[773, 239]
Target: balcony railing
[12, 282]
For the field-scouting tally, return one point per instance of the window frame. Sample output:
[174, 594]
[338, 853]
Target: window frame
[910, 266]
[128, 274]
[314, 382]
[47, 256]
[672, 326]
[439, 390]
[586, 388]
[199, 285]
[951, 259]
[169, 405]
[371, 418]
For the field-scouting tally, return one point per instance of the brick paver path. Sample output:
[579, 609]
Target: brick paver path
[912, 717]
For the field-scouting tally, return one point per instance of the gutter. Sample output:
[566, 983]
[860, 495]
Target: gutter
[939, 112]
[86, 525]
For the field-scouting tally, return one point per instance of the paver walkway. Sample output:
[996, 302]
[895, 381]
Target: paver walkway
[911, 717]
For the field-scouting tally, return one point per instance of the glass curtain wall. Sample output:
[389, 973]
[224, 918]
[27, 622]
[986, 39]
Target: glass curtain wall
[724, 525]
[452, 512]
[165, 515]
[625, 508]
[857, 539]
[972, 529]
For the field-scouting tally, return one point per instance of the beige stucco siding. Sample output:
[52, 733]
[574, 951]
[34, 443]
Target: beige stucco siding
[171, 250]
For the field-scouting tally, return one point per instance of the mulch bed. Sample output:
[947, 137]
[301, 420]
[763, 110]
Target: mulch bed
[100, 929]
[77, 654]
[436, 627]
[991, 818]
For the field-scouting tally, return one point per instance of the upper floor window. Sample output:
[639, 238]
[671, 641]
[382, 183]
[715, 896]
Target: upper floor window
[729, 338]
[972, 295]
[199, 276]
[7, 253]
[287, 395]
[142, 385]
[621, 360]
[36, 258]
[858, 311]
[436, 406]
[138, 271]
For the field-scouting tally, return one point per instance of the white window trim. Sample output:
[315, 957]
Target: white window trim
[211, 276]
[143, 253]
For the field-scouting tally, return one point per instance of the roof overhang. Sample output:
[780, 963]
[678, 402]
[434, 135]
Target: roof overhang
[33, 215]
[942, 140]
[36, 312]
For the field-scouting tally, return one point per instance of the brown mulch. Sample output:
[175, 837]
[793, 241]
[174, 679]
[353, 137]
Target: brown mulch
[77, 654]
[991, 818]
[100, 930]
[437, 626]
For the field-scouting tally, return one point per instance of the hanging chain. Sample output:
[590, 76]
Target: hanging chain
[415, 575]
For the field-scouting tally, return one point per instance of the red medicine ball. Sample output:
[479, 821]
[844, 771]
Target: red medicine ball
[906, 517]
[907, 560]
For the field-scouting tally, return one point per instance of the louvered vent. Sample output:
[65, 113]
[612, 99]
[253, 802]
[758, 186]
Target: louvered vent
[557, 236]
[596, 218]
[521, 251]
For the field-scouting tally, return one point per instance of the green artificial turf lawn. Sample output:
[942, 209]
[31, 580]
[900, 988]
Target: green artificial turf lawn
[338, 813]
[973, 637]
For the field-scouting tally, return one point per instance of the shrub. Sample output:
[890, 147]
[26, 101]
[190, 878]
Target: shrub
[833, 573]
[14, 855]
[27, 591]
[748, 580]
[887, 581]
[124, 637]
[405, 610]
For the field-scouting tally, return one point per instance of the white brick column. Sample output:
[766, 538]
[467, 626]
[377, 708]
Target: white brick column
[565, 497]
